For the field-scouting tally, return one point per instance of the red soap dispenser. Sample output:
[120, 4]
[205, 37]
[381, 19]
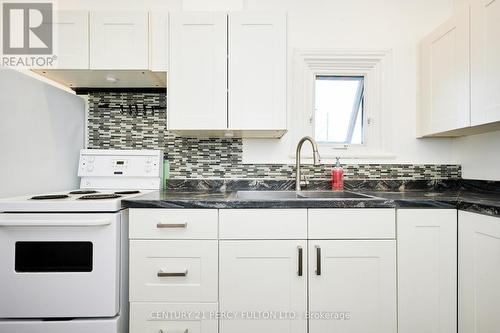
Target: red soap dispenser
[338, 176]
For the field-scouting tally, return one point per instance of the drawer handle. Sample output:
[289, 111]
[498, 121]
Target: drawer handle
[171, 225]
[318, 260]
[172, 274]
[185, 331]
[299, 248]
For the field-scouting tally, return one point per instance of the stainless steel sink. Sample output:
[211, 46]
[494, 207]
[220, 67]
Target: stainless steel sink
[332, 195]
[266, 195]
[288, 195]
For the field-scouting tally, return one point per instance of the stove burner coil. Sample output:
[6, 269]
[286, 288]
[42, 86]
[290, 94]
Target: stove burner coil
[99, 196]
[50, 197]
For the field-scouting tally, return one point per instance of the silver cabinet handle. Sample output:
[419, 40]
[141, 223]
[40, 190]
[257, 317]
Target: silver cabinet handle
[171, 225]
[185, 331]
[172, 274]
[318, 260]
[300, 254]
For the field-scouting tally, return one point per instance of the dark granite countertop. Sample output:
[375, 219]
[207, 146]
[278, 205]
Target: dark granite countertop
[222, 200]
[464, 199]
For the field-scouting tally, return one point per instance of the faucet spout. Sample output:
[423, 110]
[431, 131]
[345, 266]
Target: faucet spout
[316, 158]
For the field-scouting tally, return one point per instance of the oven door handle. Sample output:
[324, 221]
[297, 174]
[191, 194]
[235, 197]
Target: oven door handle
[63, 223]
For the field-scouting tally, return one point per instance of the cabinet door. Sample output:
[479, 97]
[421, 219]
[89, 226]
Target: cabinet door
[485, 61]
[263, 276]
[119, 40]
[427, 270]
[149, 317]
[479, 273]
[353, 284]
[158, 44]
[197, 79]
[71, 39]
[257, 71]
[445, 77]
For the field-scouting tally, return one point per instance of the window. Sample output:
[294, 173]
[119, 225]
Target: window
[342, 99]
[338, 115]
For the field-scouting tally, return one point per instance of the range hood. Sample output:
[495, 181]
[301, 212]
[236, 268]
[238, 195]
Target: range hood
[85, 78]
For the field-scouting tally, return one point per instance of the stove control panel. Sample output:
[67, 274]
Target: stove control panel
[120, 164]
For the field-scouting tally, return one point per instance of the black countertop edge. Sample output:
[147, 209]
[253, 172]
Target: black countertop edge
[479, 208]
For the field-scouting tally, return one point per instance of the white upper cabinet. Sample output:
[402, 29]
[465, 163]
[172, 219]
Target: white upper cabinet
[444, 80]
[158, 41]
[197, 78]
[227, 73]
[427, 270]
[71, 39]
[257, 71]
[479, 273]
[119, 40]
[485, 61]
[460, 73]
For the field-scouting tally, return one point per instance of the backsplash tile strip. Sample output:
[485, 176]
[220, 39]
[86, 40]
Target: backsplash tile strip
[124, 120]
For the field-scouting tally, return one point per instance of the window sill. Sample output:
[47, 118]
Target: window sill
[346, 155]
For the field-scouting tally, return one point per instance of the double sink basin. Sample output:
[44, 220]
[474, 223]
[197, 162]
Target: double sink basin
[289, 195]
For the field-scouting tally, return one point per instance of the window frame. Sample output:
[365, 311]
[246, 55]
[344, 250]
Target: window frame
[374, 66]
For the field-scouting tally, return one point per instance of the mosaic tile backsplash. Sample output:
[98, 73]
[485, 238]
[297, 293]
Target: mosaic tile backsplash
[124, 120]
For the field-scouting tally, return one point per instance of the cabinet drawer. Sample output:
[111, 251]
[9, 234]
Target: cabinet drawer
[173, 271]
[173, 224]
[162, 317]
[263, 223]
[362, 223]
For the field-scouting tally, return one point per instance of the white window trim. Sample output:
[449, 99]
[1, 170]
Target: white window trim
[375, 66]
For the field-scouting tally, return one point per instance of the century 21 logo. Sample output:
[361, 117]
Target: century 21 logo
[27, 28]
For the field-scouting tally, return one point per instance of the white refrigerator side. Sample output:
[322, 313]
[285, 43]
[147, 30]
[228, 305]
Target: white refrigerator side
[41, 134]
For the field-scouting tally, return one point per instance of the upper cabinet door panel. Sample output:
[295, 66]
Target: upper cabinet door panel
[485, 61]
[197, 80]
[71, 39]
[445, 84]
[257, 71]
[119, 40]
[158, 44]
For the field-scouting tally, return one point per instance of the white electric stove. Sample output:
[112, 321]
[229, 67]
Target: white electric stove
[63, 255]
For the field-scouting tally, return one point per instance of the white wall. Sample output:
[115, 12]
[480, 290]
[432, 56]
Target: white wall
[41, 133]
[479, 156]
[118, 4]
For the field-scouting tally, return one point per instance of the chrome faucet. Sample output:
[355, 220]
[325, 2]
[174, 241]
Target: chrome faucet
[316, 158]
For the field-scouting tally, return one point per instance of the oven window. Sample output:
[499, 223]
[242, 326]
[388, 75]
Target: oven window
[32, 257]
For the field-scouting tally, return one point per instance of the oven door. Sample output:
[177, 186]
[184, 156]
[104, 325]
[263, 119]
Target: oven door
[59, 265]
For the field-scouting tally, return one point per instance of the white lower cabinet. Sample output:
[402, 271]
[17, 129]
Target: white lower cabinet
[262, 279]
[427, 270]
[271, 277]
[173, 271]
[479, 273]
[352, 286]
[173, 318]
